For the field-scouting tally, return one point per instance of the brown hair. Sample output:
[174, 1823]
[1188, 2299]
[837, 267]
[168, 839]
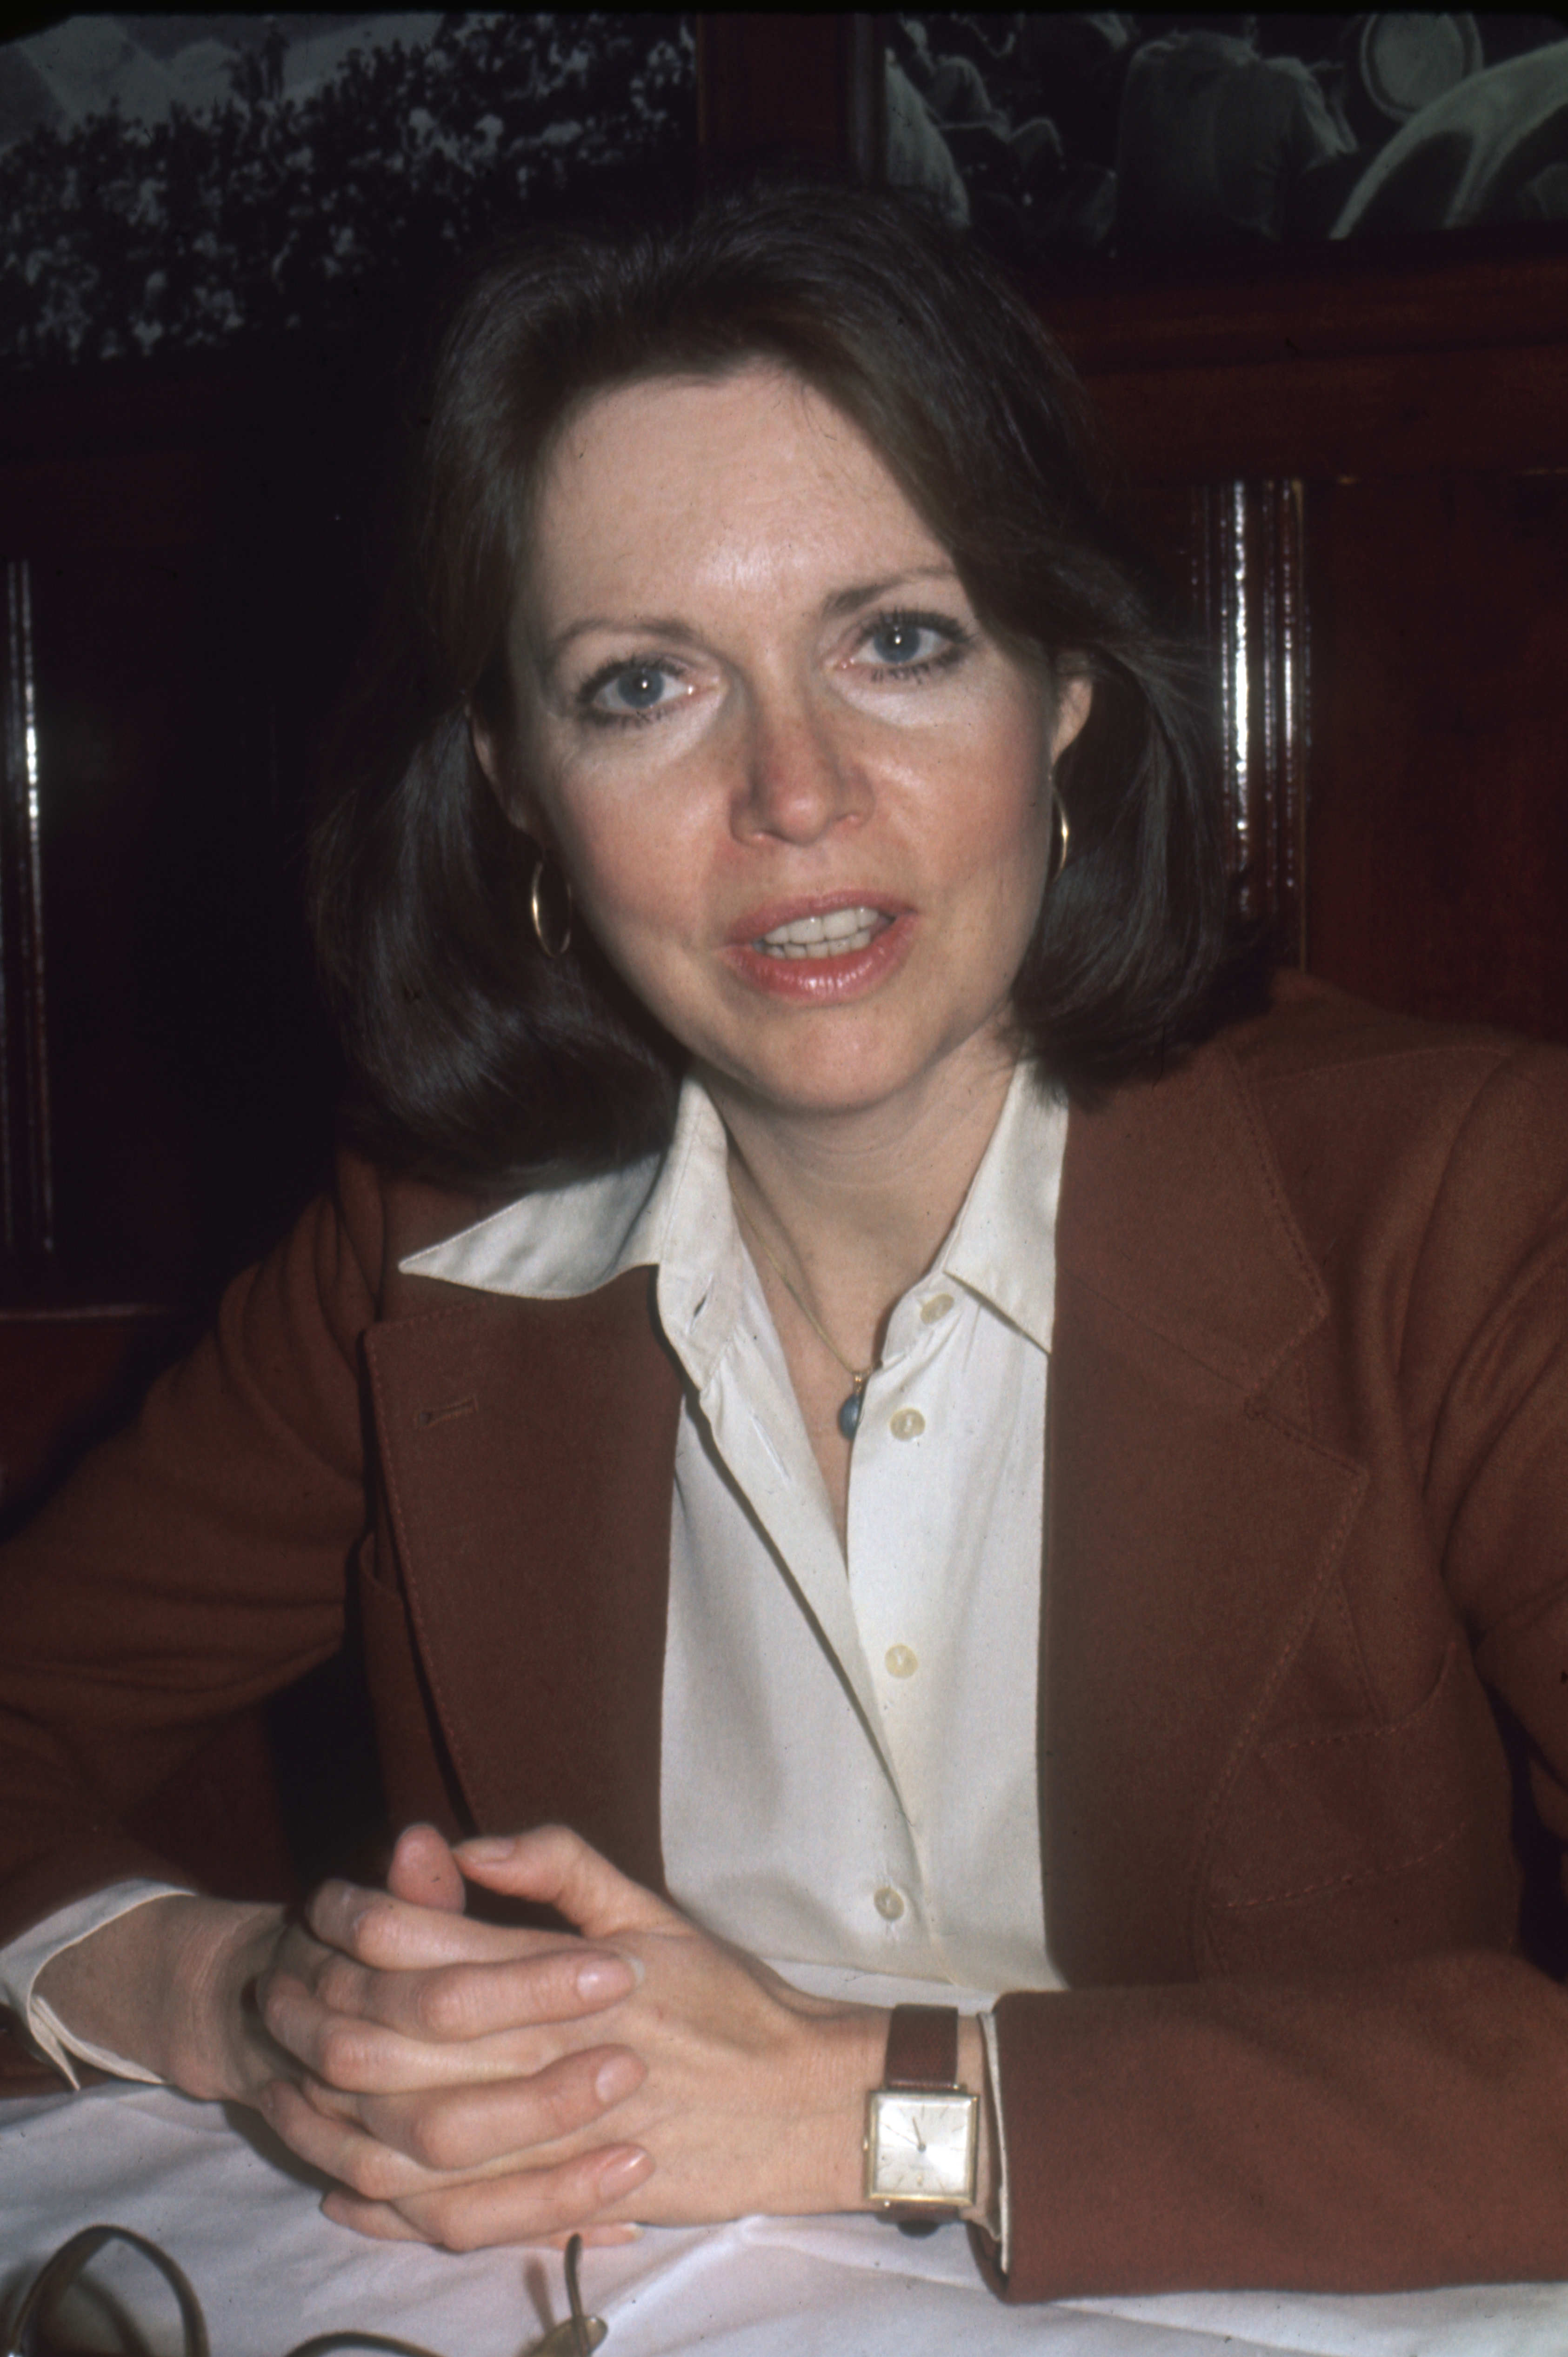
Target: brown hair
[475, 1058]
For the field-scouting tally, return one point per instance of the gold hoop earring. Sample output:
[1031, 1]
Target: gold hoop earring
[536, 912]
[1064, 836]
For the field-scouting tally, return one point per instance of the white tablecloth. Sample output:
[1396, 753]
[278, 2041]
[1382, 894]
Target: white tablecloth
[244, 2222]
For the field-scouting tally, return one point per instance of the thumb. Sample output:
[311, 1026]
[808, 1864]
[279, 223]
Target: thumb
[557, 1867]
[423, 1871]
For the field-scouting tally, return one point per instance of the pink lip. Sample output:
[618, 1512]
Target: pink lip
[827, 981]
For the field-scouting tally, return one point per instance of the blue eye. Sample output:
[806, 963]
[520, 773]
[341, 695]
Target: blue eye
[900, 642]
[912, 645]
[633, 691]
[640, 688]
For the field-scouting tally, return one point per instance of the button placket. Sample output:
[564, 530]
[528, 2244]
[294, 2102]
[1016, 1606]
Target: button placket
[886, 1498]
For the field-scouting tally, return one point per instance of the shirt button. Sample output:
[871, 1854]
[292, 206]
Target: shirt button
[901, 1661]
[908, 1425]
[889, 1903]
[937, 1307]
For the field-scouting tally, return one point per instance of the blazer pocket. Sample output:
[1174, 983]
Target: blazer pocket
[1356, 1844]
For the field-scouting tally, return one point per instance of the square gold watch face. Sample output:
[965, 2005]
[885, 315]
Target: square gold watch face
[920, 2148]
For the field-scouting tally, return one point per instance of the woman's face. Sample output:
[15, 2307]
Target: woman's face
[802, 799]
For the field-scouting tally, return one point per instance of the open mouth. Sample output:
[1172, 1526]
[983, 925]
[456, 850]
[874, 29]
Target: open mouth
[840, 933]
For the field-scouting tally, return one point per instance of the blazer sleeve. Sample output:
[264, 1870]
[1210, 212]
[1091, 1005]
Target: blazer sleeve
[1405, 2122]
[195, 1563]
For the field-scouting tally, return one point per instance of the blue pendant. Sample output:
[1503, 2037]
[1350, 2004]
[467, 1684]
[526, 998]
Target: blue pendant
[849, 1415]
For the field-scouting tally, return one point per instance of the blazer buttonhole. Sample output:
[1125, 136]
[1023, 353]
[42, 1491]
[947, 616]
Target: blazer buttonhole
[465, 1406]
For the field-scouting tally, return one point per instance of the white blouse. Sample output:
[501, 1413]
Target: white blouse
[849, 1772]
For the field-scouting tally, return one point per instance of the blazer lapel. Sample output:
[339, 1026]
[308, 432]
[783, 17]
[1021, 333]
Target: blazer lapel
[1192, 1524]
[528, 1452]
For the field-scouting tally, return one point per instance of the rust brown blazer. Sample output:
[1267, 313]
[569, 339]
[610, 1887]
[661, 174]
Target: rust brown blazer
[1307, 1529]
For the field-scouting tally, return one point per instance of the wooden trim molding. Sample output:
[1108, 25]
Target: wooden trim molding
[1465, 289]
[1361, 415]
[1237, 550]
[769, 81]
[26, 1191]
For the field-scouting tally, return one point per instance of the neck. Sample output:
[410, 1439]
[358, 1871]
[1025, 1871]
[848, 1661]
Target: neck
[856, 1204]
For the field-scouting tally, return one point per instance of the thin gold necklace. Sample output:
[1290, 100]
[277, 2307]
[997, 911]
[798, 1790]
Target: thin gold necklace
[849, 1409]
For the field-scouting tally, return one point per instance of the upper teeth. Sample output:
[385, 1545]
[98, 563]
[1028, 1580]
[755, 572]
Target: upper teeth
[840, 929]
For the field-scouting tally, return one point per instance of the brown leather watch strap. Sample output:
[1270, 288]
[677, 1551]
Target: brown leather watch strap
[922, 2049]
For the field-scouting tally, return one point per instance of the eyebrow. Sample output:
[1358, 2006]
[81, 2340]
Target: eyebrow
[671, 626]
[867, 593]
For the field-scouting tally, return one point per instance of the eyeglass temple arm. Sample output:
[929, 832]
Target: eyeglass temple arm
[67, 2264]
[59, 2272]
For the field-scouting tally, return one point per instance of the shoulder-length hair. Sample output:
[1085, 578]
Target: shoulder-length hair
[475, 1058]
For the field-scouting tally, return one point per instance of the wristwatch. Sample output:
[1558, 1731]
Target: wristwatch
[922, 2129]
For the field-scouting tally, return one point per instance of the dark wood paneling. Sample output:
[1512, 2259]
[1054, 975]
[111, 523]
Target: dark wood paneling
[1360, 414]
[1237, 552]
[1469, 288]
[27, 1140]
[1419, 405]
[65, 1379]
[1439, 832]
[98, 502]
[193, 573]
[771, 81]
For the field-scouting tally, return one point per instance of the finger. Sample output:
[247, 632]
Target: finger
[361, 2056]
[385, 2223]
[395, 2032]
[423, 1871]
[532, 2205]
[457, 2003]
[377, 2218]
[555, 2198]
[379, 1929]
[557, 1867]
[463, 2128]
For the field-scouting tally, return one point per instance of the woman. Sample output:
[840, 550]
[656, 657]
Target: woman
[783, 805]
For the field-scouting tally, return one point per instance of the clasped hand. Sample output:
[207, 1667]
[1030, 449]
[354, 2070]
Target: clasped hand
[468, 2084]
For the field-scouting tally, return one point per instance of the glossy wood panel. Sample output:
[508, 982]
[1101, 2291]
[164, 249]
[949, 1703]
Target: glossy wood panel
[1438, 838]
[66, 1378]
[771, 81]
[1235, 551]
[1472, 289]
[1422, 415]
[26, 1168]
[193, 576]
[1362, 414]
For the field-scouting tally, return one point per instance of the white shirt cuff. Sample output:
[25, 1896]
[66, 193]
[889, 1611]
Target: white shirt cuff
[24, 1960]
[1000, 2221]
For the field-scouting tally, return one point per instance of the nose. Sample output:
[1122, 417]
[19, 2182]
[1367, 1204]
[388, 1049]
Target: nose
[800, 777]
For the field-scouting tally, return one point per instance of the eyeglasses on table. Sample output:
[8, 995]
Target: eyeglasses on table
[37, 2331]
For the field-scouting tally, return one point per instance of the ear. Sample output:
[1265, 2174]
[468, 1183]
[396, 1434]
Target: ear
[488, 752]
[1073, 703]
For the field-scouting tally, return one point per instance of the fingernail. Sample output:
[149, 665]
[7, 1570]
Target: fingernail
[619, 2076]
[602, 1978]
[489, 1849]
[619, 2175]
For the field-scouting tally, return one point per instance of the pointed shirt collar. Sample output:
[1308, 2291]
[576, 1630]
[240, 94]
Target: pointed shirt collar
[674, 1212]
